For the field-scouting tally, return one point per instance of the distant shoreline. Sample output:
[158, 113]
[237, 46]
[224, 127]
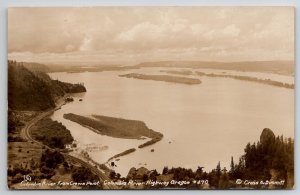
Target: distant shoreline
[281, 67]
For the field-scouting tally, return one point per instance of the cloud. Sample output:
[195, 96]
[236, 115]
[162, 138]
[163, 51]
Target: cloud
[150, 33]
[145, 30]
[231, 30]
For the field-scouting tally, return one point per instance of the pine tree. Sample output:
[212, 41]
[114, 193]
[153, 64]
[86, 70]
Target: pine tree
[218, 169]
[218, 172]
[224, 180]
[165, 170]
[232, 169]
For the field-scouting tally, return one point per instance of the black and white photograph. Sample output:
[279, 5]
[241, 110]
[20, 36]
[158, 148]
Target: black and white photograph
[150, 97]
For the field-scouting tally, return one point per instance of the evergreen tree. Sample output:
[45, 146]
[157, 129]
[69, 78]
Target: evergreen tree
[165, 170]
[224, 179]
[231, 171]
[218, 170]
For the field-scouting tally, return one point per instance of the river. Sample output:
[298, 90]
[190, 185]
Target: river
[202, 124]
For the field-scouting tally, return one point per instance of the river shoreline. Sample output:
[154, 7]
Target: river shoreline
[117, 128]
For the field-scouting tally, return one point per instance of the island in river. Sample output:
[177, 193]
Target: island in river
[165, 78]
[117, 127]
[238, 77]
[179, 72]
[247, 78]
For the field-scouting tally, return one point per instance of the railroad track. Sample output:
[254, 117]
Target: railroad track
[25, 133]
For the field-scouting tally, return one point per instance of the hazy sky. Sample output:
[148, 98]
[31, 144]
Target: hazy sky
[99, 35]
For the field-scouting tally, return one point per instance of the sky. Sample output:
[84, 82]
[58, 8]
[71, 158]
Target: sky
[130, 35]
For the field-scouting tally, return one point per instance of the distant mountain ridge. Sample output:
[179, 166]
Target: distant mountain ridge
[32, 66]
[34, 89]
[278, 67]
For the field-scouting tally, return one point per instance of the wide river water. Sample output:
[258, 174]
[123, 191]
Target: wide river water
[202, 124]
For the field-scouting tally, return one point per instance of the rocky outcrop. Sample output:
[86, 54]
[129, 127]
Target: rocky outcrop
[267, 136]
[138, 174]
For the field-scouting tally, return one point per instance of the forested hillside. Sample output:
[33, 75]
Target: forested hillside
[35, 90]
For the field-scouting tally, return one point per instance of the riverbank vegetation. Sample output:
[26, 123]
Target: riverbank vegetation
[51, 133]
[165, 78]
